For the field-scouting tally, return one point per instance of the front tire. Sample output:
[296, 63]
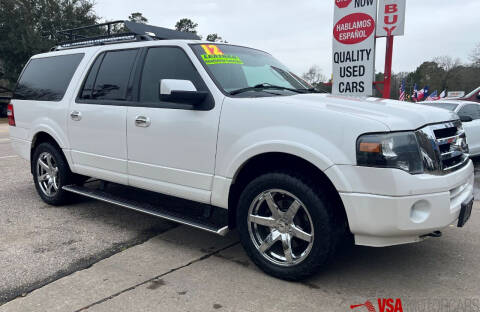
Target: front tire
[50, 174]
[286, 225]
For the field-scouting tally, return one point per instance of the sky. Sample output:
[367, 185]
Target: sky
[299, 33]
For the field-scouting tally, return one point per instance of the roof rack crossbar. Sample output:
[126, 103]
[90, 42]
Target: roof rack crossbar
[116, 32]
[82, 43]
[71, 31]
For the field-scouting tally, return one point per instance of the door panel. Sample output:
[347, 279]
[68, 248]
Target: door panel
[98, 141]
[171, 148]
[97, 121]
[175, 154]
[472, 129]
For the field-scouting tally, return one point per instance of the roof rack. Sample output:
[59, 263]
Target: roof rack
[115, 32]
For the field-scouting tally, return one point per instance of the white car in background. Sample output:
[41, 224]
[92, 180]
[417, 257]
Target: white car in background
[469, 113]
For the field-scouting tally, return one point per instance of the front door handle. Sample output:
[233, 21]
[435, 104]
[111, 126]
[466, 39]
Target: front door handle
[77, 116]
[142, 121]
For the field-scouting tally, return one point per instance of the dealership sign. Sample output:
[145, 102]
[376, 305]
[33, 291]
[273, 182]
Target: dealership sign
[391, 18]
[354, 47]
[456, 93]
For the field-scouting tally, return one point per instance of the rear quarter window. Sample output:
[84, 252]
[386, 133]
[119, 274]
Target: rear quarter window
[47, 79]
[109, 76]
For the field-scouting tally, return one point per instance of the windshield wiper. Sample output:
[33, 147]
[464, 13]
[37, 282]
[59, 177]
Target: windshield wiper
[264, 86]
[313, 90]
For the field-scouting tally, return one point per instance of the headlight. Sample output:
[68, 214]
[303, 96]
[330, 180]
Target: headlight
[390, 150]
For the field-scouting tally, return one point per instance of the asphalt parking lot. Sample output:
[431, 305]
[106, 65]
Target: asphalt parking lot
[92, 256]
[41, 243]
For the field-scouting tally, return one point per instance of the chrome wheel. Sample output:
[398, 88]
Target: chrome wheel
[47, 174]
[280, 227]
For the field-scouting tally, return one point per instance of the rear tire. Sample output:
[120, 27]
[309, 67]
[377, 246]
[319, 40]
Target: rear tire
[50, 173]
[299, 238]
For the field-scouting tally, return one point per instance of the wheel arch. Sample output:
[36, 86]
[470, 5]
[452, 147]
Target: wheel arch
[42, 137]
[276, 161]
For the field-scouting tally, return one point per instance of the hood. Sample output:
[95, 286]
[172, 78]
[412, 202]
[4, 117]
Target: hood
[396, 115]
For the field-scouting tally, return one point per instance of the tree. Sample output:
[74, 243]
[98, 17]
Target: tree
[463, 78]
[28, 27]
[475, 56]
[138, 17]
[445, 73]
[429, 74]
[447, 63]
[186, 25]
[314, 76]
[214, 38]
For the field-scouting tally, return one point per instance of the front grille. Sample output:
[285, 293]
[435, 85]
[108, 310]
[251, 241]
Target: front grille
[445, 132]
[444, 147]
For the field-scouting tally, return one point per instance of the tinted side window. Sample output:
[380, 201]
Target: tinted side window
[47, 79]
[166, 63]
[471, 110]
[90, 81]
[113, 75]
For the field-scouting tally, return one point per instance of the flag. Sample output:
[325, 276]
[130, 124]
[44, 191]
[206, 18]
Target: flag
[443, 94]
[433, 97]
[402, 91]
[422, 94]
[425, 91]
[415, 93]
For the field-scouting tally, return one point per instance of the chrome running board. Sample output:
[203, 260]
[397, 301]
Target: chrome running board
[220, 228]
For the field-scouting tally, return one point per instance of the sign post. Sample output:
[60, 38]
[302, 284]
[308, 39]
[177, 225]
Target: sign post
[354, 47]
[387, 77]
[391, 22]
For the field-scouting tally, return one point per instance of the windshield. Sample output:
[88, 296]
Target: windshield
[246, 71]
[447, 106]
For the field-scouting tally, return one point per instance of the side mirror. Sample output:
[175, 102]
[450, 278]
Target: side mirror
[478, 96]
[181, 91]
[466, 118]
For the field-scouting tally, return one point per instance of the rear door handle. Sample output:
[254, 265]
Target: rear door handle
[142, 121]
[77, 116]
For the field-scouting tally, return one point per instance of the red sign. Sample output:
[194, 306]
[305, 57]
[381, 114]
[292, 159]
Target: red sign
[384, 305]
[391, 18]
[354, 28]
[343, 3]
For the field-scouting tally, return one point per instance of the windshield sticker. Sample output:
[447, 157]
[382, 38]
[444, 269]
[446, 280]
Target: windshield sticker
[215, 56]
[212, 49]
[221, 59]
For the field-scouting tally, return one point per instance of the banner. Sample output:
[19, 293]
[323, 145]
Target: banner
[354, 47]
[391, 18]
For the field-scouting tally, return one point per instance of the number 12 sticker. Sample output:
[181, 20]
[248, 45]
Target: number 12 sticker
[212, 49]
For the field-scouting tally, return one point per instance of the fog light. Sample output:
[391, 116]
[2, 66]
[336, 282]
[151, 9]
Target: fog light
[420, 211]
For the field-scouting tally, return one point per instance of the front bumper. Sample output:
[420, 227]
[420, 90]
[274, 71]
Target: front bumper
[419, 205]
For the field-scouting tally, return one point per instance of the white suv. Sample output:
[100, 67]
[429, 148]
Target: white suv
[241, 139]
